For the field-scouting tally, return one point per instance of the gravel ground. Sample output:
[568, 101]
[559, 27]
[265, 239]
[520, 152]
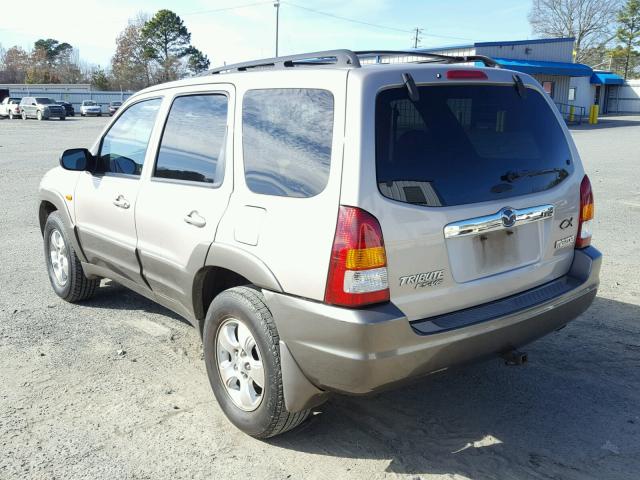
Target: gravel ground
[116, 387]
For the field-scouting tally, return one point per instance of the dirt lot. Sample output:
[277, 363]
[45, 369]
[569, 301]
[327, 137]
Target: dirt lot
[72, 407]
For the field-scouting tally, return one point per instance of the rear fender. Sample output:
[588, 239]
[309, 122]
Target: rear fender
[243, 263]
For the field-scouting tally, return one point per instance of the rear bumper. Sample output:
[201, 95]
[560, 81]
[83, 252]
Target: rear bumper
[366, 350]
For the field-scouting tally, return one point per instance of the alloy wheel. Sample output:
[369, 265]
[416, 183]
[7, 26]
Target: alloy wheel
[59, 257]
[240, 364]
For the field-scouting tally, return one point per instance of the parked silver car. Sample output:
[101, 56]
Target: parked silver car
[331, 227]
[89, 107]
[41, 108]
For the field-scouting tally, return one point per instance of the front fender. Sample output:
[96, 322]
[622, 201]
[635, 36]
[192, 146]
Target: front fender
[49, 196]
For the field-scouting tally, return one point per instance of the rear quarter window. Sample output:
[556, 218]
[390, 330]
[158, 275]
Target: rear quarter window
[286, 140]
[461, 144]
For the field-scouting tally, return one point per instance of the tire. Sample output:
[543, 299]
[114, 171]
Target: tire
[246, 306]
[76, 286]
[63, 118]
[99, 114]
[24, 115]
[10, 115]
[82, 114]
[39, 115]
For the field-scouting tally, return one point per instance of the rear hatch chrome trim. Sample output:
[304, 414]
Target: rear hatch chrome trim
[505, 218]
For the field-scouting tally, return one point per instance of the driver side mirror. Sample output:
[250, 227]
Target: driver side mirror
[78, 160]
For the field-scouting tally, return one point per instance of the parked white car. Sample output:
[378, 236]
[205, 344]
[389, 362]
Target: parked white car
[90, 107]
[10, 107]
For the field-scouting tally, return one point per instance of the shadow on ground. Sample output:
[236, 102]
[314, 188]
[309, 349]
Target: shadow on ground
[571, 413]
[606, 123]
[112, 295]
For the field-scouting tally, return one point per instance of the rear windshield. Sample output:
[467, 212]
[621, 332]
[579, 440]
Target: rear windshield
[463, 144]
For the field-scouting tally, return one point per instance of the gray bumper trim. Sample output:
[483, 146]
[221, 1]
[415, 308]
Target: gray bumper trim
[366, 350]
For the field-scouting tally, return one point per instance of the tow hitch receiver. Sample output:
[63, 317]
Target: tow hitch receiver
[514, 357]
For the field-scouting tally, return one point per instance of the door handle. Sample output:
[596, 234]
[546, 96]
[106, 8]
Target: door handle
[121, 202]
[195, 219]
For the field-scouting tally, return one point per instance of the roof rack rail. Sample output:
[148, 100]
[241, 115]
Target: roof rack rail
[328, 57]
[345, 58]
[488, 61]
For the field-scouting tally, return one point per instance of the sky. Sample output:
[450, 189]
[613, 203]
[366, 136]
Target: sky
[237, 30]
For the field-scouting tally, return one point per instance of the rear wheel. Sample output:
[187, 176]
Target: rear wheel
[63, 265]
[242, 355]
[10, 115]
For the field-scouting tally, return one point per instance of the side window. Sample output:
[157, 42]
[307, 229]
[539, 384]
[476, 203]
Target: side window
[286, 141]
[193, 141]
[125, 144]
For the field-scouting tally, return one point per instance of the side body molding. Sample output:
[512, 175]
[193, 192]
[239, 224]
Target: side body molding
[243, 263]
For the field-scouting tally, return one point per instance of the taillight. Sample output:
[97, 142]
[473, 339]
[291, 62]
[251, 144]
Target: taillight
[586, 214]
[358, 264]
[466, 75]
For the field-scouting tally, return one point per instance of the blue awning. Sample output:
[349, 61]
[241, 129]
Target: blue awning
[606, 78]
[546, 68]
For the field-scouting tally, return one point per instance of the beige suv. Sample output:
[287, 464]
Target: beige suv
[331, 227]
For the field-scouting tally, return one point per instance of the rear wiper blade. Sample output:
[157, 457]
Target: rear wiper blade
[520, 88]
[512, 176]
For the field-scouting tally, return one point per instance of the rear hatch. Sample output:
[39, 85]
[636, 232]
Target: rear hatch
[477, 192]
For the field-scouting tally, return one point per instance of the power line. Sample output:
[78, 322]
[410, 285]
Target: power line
[352, 20]
[237, 7]
[376, 25]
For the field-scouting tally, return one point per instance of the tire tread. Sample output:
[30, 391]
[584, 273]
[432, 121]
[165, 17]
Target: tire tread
[282, 420]
[81, 288]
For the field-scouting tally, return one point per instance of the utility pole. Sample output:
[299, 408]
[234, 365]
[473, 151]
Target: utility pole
[416, 37]
[277, 5]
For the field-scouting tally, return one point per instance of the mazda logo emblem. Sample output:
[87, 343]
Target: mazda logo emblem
[508, 217]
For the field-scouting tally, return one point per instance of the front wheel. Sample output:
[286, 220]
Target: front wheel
[63, 265]
[242, 355]
[39, 115]
[24, 115]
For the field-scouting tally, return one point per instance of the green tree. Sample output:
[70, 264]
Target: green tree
[198, 62]
[52, 49]
[167, 41]
[628, 32]
[99, 79]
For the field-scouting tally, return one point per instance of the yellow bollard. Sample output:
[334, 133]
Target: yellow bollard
[593, 115]
[571, 113]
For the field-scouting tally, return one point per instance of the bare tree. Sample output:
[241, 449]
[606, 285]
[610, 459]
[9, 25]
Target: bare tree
[130, 68]
[15, 62]
[590, 22]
